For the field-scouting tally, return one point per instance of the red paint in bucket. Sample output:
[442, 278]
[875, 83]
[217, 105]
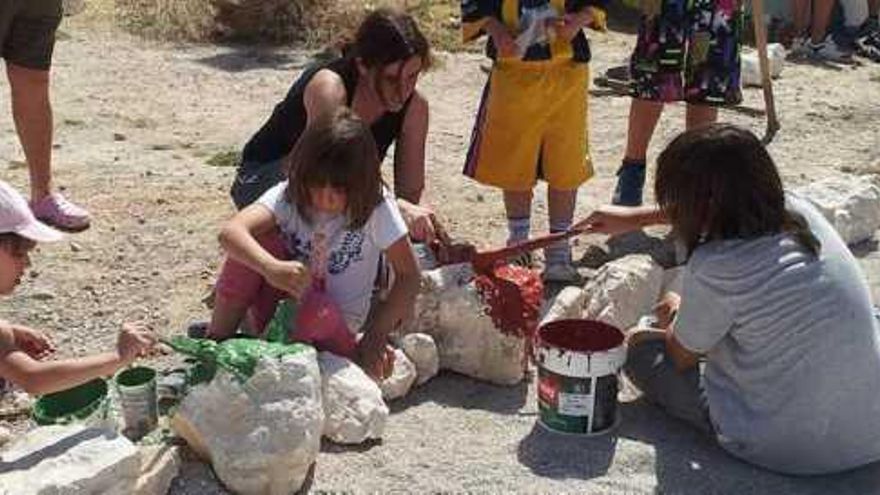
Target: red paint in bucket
[581, 335]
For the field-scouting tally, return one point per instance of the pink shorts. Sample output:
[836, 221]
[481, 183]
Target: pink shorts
[241, 286]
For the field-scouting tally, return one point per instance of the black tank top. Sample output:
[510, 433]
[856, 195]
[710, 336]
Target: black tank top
[279, 134]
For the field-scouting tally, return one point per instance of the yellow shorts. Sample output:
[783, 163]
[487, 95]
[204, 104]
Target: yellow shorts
[532, 123]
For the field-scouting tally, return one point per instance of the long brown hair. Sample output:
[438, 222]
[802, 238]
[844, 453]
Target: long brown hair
[388, 35]
[718, 182]
[336, 151]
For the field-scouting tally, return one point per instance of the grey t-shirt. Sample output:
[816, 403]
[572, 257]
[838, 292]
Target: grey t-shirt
[792, 349]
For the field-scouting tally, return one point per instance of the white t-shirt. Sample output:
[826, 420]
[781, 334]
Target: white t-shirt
[792, 349]
[353, 254]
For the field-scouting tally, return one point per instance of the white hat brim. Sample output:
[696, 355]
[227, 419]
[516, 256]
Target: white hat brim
[39, 232]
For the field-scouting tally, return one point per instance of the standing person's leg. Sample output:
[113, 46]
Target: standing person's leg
[822, 44]
[27, 49]
[518, 208]
[800, 15]
[700, 115]
[565, 160]
[855, 13]
[506, 141]
[656, 65]
[643, 117]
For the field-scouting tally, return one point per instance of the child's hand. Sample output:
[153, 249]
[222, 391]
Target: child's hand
[504, 42]
[33, 342]
[570, 25]
[134, 340]
[666, 309]
[611, 220]
[375, 357]
[290, 276]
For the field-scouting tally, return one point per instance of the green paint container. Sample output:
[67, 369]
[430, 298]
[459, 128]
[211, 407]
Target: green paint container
[578, 364]
[138, 400]
[86, 403]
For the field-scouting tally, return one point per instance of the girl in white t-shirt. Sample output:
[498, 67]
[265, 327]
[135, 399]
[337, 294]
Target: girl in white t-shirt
[334, 195]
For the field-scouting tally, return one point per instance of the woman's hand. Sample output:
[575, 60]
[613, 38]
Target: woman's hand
[612, 220]
[292, 277]
[422, 223]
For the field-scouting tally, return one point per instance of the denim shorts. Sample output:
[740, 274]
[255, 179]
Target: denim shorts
[27, 31]
[253, 179]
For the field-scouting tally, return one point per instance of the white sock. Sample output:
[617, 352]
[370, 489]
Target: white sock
[559, 253]
[518, 229]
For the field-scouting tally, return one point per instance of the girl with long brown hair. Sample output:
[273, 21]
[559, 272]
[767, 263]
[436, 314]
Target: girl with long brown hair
[772, 344]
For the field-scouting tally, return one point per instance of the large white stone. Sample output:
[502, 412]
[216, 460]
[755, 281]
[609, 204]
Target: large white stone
[851, 203]
[261, 436]
[450, 310]
[623, 290]
[353, 407]
[70, 460]
[159, 466]
[402, 378]
[421, 349]
[568, 303]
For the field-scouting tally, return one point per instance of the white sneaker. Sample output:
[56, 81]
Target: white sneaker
[830, 51]
[561, 273]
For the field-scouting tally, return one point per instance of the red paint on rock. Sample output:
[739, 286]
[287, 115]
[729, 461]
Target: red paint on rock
[580, 335]
[513, 296]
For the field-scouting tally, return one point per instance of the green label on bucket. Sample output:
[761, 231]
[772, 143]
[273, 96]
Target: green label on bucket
[568, 404]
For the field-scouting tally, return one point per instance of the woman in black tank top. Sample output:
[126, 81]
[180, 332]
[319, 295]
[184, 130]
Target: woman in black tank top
[376, 78]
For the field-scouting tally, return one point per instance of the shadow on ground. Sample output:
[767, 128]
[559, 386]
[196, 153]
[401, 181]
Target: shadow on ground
[459, 391]
[243, 58]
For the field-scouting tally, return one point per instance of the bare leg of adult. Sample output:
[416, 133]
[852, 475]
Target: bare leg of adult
[558, 264]
[32, 113]
[800, 16]
[822, 10]
[643, 117]
[700, 115]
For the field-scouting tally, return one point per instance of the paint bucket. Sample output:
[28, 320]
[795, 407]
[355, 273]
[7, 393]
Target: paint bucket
[578, 363]
[137, 398]
[84, 404]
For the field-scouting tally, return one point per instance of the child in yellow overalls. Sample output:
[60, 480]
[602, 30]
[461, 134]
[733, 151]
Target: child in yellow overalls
[532, 120]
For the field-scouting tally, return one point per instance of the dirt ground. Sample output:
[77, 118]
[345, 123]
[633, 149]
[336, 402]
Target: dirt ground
[136, 123]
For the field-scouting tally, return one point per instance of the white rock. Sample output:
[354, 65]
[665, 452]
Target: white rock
[851, 203]
[623, 290]
[421, 349]
[354, 411]
[261, 436]
[160, 464]
[467, 340]
[751, 68]
[568, 303]
[402, 378]
[69, 460]
[5, 435]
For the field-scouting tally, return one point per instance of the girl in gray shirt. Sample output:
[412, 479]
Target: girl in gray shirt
[776, 346]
